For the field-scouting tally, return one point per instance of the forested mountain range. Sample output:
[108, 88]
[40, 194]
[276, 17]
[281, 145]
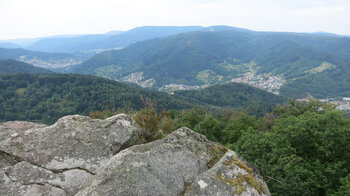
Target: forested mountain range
[46, 98]
[292, 64]
[108, 40]
[308, 63]
[12, 66]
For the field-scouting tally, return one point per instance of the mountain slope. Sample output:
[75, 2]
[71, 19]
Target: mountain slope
[49, 97]
[235, 95]
[108, 40]
[12, 66]
[209, 57]
[66, 44]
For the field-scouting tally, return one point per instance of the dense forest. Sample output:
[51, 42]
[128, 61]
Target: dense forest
[236, 95]
[46, 98]
[299, 149]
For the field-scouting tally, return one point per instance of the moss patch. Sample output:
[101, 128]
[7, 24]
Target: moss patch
[216, 153]
[234, 161]
[241, 180]
[238, 182]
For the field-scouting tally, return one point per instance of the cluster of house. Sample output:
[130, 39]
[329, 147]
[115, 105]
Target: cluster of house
[269, 83]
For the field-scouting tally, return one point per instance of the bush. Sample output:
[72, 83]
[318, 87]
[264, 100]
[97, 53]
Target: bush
[153, 126]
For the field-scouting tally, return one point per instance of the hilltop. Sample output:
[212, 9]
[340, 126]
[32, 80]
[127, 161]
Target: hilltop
[108, 40]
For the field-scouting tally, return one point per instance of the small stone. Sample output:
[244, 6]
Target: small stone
[14, 135]
[202, 184]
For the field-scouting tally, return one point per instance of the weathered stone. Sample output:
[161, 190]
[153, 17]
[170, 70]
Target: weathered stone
[24, 173]
[183, 163]
[9, 128]
[231, 175]
[59, 159]
[13, 188]
[44, 190]
[73, 142]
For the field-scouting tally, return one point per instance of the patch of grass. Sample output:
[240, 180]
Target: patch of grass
[240, 68]
[108, 71]
[324, 66]
[20, 91]
[209, 77]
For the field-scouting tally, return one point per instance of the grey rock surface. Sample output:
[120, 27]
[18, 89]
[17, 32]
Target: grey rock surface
[183, 163]
[9, 128]
[230, 175]
[82, 156]
[49, 160]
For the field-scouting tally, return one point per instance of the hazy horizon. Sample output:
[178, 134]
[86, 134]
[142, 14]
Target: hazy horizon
[80, 34]
[41, 18]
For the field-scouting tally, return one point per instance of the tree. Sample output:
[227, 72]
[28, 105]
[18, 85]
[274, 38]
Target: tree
[240, 123]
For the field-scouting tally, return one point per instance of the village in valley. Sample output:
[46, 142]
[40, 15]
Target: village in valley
[270, 83]
[175, 87]
[138, 79]
[52, 63]
[343, 103]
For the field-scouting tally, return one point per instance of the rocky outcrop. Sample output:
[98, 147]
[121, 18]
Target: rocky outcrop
[62, 157]
[81, 156]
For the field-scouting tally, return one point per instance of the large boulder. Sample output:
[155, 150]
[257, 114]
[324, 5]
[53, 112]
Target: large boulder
[62, 157]
[183, 163]
[82, 156]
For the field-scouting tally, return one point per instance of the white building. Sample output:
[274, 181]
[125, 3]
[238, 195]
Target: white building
[346, 98]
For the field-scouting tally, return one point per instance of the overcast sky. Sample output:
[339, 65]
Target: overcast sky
[35, 18]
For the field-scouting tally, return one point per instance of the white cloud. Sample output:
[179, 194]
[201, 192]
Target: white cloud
[24, 18]
[320, 10]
